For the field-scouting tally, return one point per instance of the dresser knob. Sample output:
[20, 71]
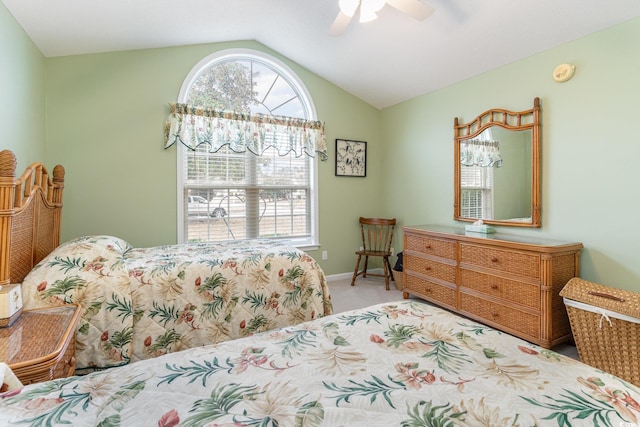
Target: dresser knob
[494, 259]
[427, 246]
[427, 290]
[495, 315]
[428, 268]
[494, 286]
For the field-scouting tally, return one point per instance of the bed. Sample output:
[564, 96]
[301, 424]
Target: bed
[139, 303]
[394, 364]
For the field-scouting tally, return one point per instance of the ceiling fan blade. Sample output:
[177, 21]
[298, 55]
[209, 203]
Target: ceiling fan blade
[413, 8]
[340, 24]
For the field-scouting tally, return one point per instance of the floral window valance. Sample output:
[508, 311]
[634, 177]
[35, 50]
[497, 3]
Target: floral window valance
[193, 126]
[476, 152]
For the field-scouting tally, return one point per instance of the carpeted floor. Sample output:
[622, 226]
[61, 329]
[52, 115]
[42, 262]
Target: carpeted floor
[366, 292]
[371, 291]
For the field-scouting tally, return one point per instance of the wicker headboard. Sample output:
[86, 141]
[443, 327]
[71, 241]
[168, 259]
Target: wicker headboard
[30, 214]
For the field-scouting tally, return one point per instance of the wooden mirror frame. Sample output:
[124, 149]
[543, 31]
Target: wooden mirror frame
[510, 120]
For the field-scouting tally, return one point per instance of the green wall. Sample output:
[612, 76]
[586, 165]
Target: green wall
[105, 116]
[22, 111]
[590, 148]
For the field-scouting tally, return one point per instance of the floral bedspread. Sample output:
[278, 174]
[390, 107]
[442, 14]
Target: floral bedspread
[140, 303]
[394, 364]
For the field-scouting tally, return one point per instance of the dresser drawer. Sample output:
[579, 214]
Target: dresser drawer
[428, 267]
[518, 263]
[522, 293]
[507, 317]
[430, 246]
[440, 294]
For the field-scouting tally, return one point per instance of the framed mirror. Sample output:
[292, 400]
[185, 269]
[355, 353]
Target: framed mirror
[497, 168]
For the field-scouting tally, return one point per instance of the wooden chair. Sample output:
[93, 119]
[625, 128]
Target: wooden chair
[377, 235]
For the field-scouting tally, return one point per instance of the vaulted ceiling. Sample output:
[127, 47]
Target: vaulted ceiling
[383, 62]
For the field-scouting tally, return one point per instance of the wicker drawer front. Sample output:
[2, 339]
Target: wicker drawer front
[439, 270]
[521, 264]
[430, 291]
[66, 367]
[525, 323]
[431, 246]
[51, 369]
[511, 290]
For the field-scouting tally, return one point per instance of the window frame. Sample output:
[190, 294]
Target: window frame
[485, 190]
[310, 243]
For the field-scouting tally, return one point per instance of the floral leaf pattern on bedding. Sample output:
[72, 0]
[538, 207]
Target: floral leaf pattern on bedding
[164, 314]
[221, 402]
[145, 302]
[372, 388]
[68, 264]
[335, 371]
[596, 405]
[117, 345]
[196, 371]
[425, 414]
[123, 308]
[297, 342]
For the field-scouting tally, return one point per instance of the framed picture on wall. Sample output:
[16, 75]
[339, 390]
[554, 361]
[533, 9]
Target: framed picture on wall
[351, 158]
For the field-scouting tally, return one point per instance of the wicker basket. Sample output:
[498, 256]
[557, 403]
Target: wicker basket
[606, 327]
[398, 279]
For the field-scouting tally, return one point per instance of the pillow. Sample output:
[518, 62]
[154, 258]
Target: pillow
[90, 272]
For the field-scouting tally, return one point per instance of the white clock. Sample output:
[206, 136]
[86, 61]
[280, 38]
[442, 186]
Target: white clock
[563, 72]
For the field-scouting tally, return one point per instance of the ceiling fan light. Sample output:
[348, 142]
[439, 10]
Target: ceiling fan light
[367, 15]
[368, 9]
[348, 7]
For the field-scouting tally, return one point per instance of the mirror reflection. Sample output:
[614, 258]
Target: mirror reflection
[497, 168]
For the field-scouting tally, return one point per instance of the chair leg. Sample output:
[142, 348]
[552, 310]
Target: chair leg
[355, 272]
[366, 263]
[390, 269]
[386, 273]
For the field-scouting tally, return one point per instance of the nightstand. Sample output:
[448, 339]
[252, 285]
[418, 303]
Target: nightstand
[41, 344]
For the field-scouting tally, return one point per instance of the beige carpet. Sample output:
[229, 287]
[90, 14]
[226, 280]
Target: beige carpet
[366, 292]
[371, 291]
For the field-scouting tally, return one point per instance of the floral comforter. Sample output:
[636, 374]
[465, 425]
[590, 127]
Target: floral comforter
[141, 303]
[397, 364]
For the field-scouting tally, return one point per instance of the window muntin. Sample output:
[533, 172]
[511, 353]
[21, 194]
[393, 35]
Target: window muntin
[247, 196]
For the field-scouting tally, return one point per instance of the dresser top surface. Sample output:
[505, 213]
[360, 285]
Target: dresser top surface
[497, 238]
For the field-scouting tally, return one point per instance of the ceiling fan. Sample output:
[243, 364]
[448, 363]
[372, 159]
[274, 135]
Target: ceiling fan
[369, 9]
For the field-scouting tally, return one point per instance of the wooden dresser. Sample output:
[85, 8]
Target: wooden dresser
[509, 282]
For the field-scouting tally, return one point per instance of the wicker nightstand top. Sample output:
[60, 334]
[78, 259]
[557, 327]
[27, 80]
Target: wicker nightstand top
[37, 335]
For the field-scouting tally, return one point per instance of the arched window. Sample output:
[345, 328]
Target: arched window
[228, 195]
